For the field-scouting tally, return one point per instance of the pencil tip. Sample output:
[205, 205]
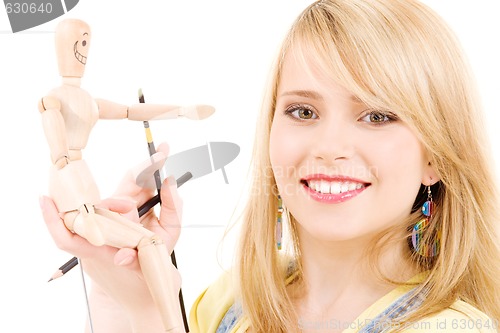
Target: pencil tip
[50, 279]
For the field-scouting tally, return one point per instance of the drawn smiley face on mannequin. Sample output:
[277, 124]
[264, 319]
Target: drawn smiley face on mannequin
[80, 49]
[72, 47]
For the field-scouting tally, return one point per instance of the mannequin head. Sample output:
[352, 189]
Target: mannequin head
[72, 46]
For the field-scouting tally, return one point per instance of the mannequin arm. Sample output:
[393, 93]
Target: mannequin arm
[156, 111]
[143, 111]
[111, 110]
[55, 130]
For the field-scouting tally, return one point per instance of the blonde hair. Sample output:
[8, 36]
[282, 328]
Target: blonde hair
[395, 55]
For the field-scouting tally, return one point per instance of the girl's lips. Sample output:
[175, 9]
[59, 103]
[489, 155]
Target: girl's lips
[336, 189]
[335, 178]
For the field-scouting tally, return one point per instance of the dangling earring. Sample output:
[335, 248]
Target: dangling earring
[420, 227]
[279, 223]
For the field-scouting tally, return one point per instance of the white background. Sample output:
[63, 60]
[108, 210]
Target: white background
[178, 52]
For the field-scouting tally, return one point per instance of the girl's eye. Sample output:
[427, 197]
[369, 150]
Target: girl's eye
[301, 112]
[378, 117]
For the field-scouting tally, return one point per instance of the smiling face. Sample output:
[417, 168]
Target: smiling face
[344, 171]
[72, 47]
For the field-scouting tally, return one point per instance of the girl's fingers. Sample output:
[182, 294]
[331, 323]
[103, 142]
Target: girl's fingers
[170, 211]
[127, 258]
[163, 148]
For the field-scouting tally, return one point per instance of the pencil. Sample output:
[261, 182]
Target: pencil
[64, 268]
[143, 209]
[152, 150]
[156, 199]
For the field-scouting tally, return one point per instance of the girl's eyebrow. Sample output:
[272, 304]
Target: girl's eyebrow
[303, 93]
[314, 95]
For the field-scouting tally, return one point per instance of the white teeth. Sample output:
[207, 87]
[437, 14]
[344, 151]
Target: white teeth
[335, 188]
[327, 187]
[324, 187]
[316, 186]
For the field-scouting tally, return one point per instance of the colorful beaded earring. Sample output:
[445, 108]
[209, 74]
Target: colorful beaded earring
[279, 223]
[420, 227]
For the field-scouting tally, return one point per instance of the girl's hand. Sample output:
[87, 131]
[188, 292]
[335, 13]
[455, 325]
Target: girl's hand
[119, 288]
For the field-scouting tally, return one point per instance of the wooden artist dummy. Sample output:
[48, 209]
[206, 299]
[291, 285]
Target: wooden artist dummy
[68, 115]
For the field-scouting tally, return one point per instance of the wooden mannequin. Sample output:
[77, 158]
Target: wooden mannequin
[68, 115]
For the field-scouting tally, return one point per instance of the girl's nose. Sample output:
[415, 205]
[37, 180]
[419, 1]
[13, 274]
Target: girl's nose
[334, 140]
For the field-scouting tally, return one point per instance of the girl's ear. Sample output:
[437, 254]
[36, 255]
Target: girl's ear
[430, 176]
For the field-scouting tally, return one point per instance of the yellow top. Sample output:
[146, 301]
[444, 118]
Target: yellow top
[211, 306]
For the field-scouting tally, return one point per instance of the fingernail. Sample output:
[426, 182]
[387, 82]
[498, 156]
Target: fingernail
[126, 261]
[170, 181]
